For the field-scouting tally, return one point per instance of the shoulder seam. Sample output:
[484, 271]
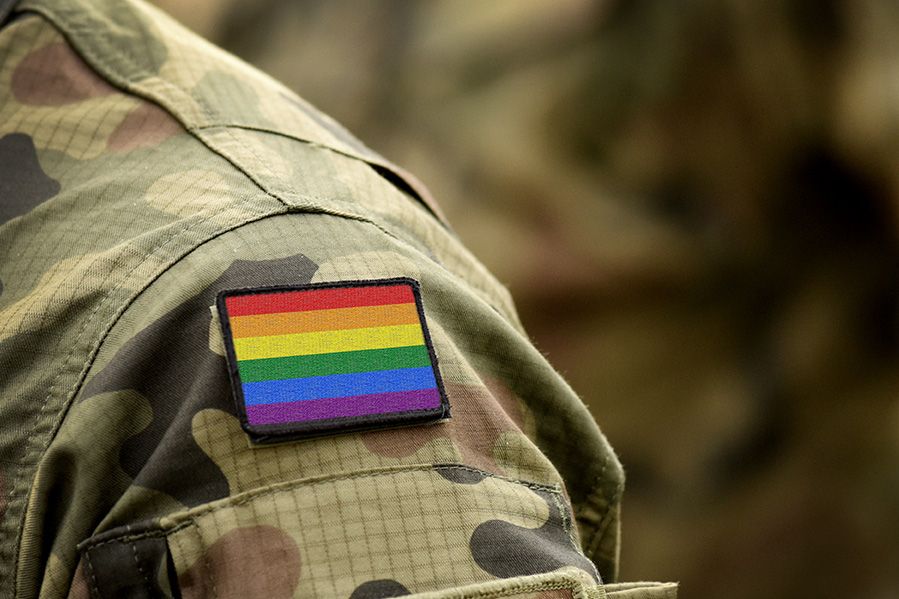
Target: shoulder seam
[74, 33]
[103, 70]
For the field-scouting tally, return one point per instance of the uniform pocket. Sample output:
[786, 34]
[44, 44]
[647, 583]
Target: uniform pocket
[377, 533]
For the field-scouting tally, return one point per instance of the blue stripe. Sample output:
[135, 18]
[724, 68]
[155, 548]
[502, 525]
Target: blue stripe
[338, 385]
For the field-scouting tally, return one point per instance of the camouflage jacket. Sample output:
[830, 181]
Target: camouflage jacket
[142, 171]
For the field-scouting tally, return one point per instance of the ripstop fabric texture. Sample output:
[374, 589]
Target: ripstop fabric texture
[145, 172]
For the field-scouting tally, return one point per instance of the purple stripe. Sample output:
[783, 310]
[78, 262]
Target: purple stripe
[343, 407]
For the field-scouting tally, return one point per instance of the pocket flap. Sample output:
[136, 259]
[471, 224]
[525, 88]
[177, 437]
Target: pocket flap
[402, 530]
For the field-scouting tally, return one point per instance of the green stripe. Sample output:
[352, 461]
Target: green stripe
[297, 367]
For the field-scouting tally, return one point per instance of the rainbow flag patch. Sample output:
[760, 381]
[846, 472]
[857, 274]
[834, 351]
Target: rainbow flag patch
[328, 358]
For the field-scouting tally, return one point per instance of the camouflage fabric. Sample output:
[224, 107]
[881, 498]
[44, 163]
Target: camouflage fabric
[716, 276]
[142, 171]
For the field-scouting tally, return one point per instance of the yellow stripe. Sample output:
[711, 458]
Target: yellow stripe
[326, 342]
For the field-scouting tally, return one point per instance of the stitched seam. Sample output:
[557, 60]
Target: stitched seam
[550, 585]
[95, 588]
[325, 206]
[233, 161]
[373, 161]
[249, 496]
[590, 542]
[222, 124]
[125, 538]
[482, 294]
[289, 486]
[599, 592]
[259, 165]
[566, 526]
[599, 529]
[603, 526]
[138, 566]
[528, 588]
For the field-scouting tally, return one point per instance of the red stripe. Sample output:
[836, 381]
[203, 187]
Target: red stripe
[318, 299]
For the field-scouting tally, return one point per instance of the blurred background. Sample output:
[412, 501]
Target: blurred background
[695, 204]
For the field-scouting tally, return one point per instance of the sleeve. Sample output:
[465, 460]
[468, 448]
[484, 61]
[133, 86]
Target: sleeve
[516, 494]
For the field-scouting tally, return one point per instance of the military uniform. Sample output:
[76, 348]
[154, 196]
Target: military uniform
[142, 172]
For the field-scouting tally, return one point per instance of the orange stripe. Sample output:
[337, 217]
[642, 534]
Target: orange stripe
[286, 323]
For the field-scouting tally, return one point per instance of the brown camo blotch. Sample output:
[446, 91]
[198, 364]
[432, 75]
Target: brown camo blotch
[146, 126]
[479, 417]
[252, 562]
[55, 76]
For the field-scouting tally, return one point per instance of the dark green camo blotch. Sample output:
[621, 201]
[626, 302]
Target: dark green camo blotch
[145, 172]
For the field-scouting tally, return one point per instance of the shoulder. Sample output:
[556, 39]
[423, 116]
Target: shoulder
[212, 94]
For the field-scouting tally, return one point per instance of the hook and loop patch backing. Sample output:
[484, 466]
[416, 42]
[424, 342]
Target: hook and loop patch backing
[328, 358]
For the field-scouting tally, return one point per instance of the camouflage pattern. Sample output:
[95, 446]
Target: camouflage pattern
[694, 205]
[143, 170]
